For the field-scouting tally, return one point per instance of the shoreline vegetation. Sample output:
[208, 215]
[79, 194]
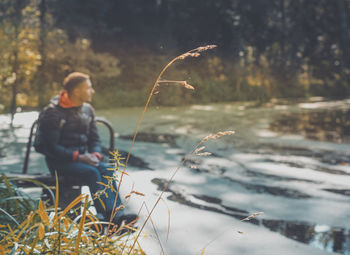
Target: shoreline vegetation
[126, 83]
[277, 49]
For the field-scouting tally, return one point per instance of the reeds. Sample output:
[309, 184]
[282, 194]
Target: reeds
[53, 231]
[159, 81]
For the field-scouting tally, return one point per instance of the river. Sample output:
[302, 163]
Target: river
[289, 160]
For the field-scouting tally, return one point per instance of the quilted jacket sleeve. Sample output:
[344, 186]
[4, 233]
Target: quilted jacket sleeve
[51, 129]
[94, 143]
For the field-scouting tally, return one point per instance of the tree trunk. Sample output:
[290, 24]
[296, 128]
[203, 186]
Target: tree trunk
[41, 73]
[15, 66]
[15, 84]
[344, 36]
[283, 36]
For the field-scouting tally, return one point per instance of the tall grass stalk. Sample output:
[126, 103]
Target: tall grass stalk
[192, 53]
[82, 221]
[10, 216]
[196, 151]
[250, 217]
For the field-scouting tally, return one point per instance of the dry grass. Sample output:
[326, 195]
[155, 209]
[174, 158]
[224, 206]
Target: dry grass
[54, 231]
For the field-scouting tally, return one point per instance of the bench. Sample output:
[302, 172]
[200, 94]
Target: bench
[69, 187]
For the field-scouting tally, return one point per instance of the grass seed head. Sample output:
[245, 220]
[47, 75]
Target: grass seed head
[217, 135]
[121, 207]
[134, 192]
[204, 154]
[169, 82]
[205, 48]
[253, 216]
[138, 193]
[187, 86]
[199, 149]
[196, 52]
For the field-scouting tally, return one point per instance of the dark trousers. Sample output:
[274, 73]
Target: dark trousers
[90, 176]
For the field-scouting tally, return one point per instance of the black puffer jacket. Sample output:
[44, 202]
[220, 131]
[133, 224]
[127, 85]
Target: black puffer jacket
[69, 130]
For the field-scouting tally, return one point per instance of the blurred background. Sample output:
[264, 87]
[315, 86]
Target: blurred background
[266, 49]
[279, 78]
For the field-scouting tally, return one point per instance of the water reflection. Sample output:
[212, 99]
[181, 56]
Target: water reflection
[331, 125]
[239, 173]
[334, 239]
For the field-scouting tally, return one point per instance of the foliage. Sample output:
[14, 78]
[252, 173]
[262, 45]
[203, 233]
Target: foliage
[40, 230]
[23, 62]
[65, 57]
[15, 204]
[277, 48]
[19, 50]
[284, 39]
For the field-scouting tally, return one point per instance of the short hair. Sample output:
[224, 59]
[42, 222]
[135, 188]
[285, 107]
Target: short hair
[73, 80]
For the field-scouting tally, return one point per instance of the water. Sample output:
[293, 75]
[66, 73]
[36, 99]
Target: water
[289, 160]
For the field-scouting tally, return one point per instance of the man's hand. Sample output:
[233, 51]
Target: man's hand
[89, 158]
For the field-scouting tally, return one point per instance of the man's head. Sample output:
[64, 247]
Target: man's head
[79, 87]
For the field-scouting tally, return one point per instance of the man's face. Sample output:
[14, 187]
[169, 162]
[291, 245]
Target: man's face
[84, 91]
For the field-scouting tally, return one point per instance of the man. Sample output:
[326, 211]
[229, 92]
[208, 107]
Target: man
[73, 146]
